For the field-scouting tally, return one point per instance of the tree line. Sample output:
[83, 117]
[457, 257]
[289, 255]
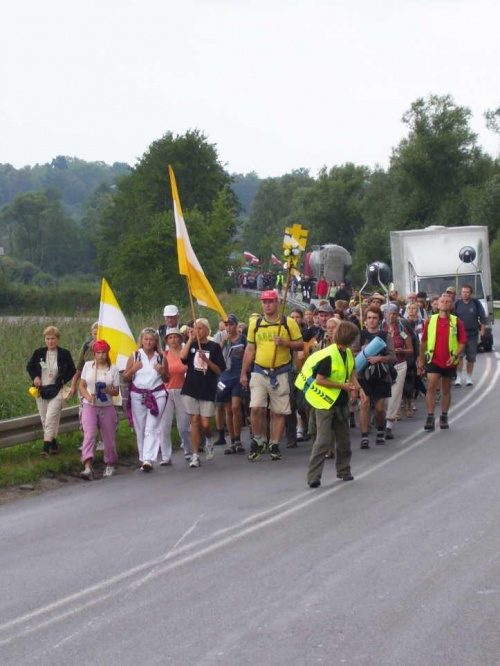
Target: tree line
[123, 226]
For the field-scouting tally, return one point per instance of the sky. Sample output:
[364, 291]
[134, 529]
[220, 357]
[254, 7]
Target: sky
[275, 85]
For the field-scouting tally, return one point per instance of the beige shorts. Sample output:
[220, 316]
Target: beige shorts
[198, 407]
[279, 397]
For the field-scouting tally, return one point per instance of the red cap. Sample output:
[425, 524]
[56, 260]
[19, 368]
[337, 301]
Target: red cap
[100, 346]
[268, 295]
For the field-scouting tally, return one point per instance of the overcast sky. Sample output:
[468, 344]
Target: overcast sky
[277, 85]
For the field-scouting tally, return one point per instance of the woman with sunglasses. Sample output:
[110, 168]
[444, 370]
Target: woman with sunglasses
[147, 373]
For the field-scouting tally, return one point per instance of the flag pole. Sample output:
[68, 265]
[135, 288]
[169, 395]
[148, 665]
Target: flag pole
[194, 318]
[283, 306]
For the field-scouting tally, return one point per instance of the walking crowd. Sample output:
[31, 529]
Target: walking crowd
[290, 378]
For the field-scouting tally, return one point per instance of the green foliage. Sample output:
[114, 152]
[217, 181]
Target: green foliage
[245, 187]
[137, 246]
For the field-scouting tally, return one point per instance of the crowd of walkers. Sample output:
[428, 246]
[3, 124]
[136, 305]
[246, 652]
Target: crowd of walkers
[312, 375]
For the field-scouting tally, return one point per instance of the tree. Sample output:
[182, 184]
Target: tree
[137, 246]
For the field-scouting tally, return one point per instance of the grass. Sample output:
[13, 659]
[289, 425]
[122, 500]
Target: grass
[23, 464]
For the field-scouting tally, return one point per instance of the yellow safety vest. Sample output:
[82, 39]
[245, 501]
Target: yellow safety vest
[323, 397]
[452, 337]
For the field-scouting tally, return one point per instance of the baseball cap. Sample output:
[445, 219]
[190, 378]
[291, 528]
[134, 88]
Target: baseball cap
[170, 311]
[452, 290]
[231, 319]
[268, 295]
[325, 308]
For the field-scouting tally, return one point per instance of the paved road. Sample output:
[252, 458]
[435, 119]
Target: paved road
[241, 563]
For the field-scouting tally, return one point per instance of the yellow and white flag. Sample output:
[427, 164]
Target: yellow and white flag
[114, 329]
[189, 265]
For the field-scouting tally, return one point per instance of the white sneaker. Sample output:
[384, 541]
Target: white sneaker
[109, 471]
[87, 474]
[458, 381]
[195, 460]
[209, 450]
[100, 446]
[469, 381]
[147, 466]
[166, 463]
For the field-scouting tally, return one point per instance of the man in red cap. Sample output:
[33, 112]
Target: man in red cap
[271, 341]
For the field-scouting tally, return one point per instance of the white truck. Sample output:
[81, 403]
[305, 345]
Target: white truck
[437, 257]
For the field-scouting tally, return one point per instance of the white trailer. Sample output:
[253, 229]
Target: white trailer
[436, 257]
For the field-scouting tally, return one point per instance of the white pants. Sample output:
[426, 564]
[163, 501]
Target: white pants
[175, 403]
[50, 415]
[394, 401]
[147, 427]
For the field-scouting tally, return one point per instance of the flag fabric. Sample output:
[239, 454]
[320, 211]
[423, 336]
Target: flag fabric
[253, 259]
[114, 329]
[275, 260]
[189, 265]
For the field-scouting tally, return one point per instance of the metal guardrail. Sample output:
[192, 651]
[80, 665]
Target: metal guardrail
[28, 428]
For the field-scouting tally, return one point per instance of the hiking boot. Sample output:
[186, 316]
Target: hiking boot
[274, 452]
[380, 439]
[430, 424]
[443, 422]
[365, 443]
[389, 434]
[255, 448]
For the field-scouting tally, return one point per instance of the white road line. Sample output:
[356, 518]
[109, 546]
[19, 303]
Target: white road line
[224, 537]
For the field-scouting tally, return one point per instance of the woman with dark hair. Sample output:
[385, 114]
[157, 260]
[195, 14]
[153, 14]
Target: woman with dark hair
[100, 382]
[148, 396]
[51, 367]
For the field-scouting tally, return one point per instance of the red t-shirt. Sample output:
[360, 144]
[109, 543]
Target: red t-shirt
[441, 350]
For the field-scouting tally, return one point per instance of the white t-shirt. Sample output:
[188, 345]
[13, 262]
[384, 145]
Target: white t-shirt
[110, 376]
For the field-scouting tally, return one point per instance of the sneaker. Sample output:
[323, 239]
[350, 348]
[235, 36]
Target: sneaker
[100, 446]
[255, 449]
[239, 447]
[195, 460]
[229, 450]
[380, 438]
[352, 421]
[347, 476]
[166, 463]
[389, 434]
[221, 441]
[274, 452]
[187, 457]
[109, 471]
[209, 450]
[469, 381]
[458, 381]
[300, 435]
[291, 445]
[365, 443]
[87, 474]
[314, 484]
[443, 422]
[429, 424]
[147, 466]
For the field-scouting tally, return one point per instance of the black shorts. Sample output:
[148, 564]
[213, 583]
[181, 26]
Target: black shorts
[375, 390]
[447, 373]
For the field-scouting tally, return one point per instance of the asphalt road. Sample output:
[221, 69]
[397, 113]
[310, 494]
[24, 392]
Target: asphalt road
[241, 563]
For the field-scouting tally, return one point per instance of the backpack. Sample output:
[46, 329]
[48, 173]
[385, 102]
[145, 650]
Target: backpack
[284, 323]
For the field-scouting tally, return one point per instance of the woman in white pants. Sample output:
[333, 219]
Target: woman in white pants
[148, 396]
[176, 374]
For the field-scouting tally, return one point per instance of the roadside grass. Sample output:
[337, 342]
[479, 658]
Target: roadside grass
[23, 464]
